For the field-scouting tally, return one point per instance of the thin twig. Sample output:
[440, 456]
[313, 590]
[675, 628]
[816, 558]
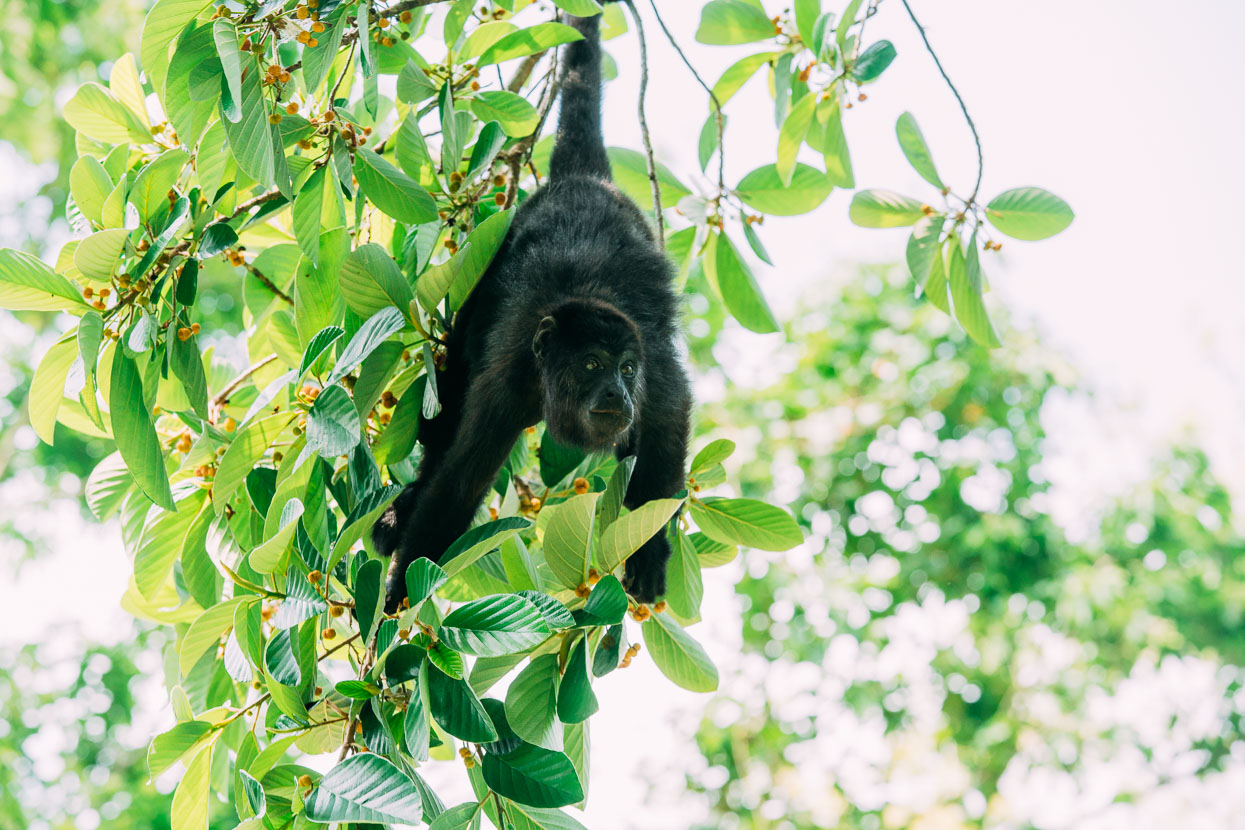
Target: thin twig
[521, 153]
[964, 109]
[267, 283]
[223, 397]
[717, 105]
[648, 139]
[524, 72]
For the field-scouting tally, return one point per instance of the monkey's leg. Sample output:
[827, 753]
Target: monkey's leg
[452, 494]
[660, 469]
[436, 436]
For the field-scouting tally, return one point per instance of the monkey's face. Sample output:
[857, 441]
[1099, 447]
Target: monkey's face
[591, 376]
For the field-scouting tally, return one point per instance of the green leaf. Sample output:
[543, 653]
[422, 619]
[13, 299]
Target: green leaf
[460, 817]
[923, 247]
[456, 708]
[478, 541]
[225, 36]
[738, 287]
[168, 748]
[806, 14]
[915, 150]
[97, 255]
[967, 284]
[678, 656]
[630, 171]
[1029, 213]
[475, 257]
[576, 700]
[834, 144]
[398, 439]
[369, 591]
[568, 539]
[375, 330]
[727, 22]
[791, 136]
[107, 486]
[415, 727]
[27, 284]
[267, 557]
[319, 58]
[873, 61]
[555, 613]
[370, 281]
[206, 631]
[714, 453]
[684, 584]
[391, 190]
[248, 446]
[606, 605]
[534, 776]
[47, 387]
[164, 22]
[357, 689]
[333, 424]
[625, 536]
[712, 554]
[579, 8]
[493, 626]
[738, 74]
[763, 190]
[845, 24]
[250, 137]
[557, 461]
[93, 112]
[281, 661]
[189, 810]
[423, 578]
[747, 522]
[365, 788]
[884, 209]
[319, 344]
[134, 433]
[302, 600]
[531, 703]
[517, 117]
[90, 185]
[528, 41]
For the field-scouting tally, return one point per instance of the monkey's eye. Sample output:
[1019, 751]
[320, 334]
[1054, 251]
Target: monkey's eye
[628, 370]
[592, 364]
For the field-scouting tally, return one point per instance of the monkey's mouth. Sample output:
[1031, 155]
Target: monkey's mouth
[612, 420]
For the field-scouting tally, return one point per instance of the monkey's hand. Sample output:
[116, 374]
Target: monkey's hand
[395, 585]
[645, 576]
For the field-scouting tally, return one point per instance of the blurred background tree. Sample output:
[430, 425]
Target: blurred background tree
[940, 654]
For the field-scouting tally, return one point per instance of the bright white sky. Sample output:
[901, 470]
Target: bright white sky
[1128, 109]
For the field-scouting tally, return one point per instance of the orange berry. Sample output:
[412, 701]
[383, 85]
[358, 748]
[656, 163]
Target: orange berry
[304, 780]
[230, 425]
[317, 27]
[99, 305]
[660, 606]
[581, 485]
[337, 610]
[314, 577]
[312, 42]
[183, 334]
[302, 13]
[194, 328]
[405, 17]
[303, 37]
[275, 118]
[383, 23]
[291, 108]
[500, 200]
[328, 634]
[88, 292]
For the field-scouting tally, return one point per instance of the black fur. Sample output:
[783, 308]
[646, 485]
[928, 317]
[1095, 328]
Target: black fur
[579, 278]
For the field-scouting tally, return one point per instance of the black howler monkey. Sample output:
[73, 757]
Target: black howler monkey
[575, 323]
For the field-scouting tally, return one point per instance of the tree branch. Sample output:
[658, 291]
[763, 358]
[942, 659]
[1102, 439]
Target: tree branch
[648, 139]
[717, 105]
[269, 284]
[223, 398]
[964, 109]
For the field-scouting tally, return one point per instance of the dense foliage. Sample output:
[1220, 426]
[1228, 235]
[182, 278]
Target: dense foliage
[353, 167]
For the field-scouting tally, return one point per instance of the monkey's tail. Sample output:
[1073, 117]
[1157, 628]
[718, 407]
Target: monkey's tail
[580, 148]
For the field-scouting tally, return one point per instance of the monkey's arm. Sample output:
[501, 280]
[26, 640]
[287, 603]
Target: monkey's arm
[452, 493]
[660, 449]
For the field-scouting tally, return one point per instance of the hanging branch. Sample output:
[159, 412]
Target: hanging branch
[648, 139]
[713, 98]
[964, 109]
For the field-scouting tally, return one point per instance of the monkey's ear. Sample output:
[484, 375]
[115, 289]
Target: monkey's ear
[544, 331]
